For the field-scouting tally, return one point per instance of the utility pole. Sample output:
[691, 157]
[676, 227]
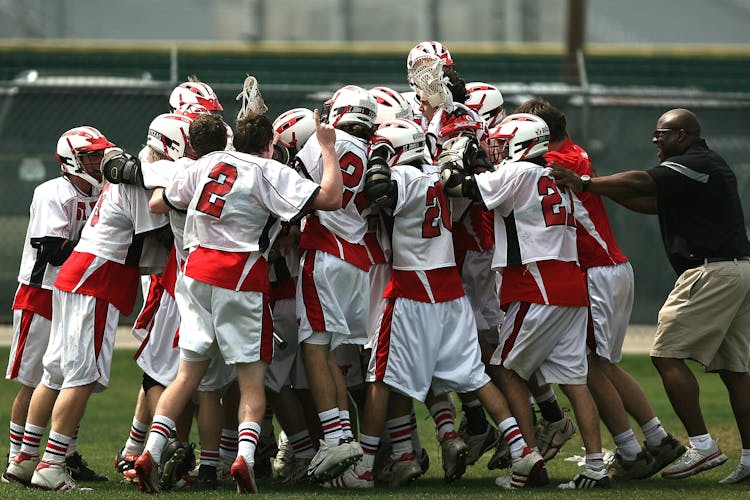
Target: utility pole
[575, 40]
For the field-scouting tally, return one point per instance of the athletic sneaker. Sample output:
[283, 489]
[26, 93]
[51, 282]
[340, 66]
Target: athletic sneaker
[424, 461]
[453, 450]
[80, 470]
[206, 479]
[740, 475]
[284, 455]
[694, 461]
[295, 471]
[243, 476]
[148, 473]
[527, 471]
[553, 435]
[124, 461]
[54, 477]
[501, 458]
[331, 461]
[665, 452]
[404, 470]
[479, 444]
[641, 467]
[588, 479]
[353, 477]
[22, 468]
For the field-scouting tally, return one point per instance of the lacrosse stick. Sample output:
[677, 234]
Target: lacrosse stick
[252, 101]
[426, 74]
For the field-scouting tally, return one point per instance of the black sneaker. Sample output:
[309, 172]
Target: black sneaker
[206, 479]
[174, 460]
[80, 471]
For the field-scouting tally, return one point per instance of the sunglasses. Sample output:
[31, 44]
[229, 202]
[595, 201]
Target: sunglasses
[659, 132]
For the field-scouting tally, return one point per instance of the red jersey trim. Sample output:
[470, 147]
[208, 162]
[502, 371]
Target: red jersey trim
[35, 299]
[111, 282]
[384, 341]
[153, 299]
[377, 256]
[433, 285]
[318, 237]
[168, 277]
[284, 289]
[226, 269]
[563, 283]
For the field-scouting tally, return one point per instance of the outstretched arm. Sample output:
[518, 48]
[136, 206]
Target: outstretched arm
[331, 187]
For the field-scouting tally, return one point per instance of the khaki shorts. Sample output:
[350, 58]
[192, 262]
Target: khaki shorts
[707, 317]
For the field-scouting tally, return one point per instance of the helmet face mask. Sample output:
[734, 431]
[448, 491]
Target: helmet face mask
[519, 137]
[403, 140]
[80, 152]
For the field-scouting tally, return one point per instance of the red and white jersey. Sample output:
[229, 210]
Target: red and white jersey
[423, 265]
[535, 235]
[346, 223]
[234, 200]
[120, 214]
[596, 242]
[58, 210]
[434, 130]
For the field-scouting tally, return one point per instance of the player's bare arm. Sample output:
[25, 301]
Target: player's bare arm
[331, 187]
[157, 204]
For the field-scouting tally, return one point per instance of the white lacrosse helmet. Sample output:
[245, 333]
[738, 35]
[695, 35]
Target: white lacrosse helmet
[403, 139]
[295, 127]
[191, 110]
[430, 48]
[520, 136]
[391, 105]
[486, 100]
[352, 104]
[169, 135]
[80, 151]
[195, 93]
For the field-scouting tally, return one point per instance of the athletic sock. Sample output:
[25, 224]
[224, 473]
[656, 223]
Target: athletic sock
[161, 429]
[248, 435]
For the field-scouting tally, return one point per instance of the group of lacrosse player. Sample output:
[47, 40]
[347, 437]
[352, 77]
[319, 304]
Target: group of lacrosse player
[328, 268]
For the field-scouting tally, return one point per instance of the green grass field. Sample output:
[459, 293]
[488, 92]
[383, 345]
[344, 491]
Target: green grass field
[108, 417]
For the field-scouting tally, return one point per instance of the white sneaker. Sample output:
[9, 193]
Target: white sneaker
[331, 461]
[354, 477]
[284, 455]
[21, 468]
[740, 475]
[527, 471]
[295, 471]
[54, 477]
[553, 435]
[695, 461]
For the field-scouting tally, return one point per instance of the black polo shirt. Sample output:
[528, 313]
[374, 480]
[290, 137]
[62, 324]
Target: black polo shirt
[699, 208]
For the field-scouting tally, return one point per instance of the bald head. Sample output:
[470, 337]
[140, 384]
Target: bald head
[680, 119]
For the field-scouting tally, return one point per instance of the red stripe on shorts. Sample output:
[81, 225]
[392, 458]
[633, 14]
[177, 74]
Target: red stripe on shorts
[26, 317]
[100, 323]
[313, 309]
[517, 323]
[384, 341]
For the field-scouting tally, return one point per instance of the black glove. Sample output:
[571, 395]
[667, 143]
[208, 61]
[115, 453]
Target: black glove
[379, 187]
[120, 167]
[281, 154]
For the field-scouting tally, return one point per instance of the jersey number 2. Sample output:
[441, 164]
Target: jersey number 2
[437, 208]
[555, 213]
[211, 201]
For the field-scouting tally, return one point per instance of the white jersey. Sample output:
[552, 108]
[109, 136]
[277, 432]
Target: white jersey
[58, 210]
[533, 217]
[234, 200]
[421, 228]
[120, 214]
[347, 222]
[413, 99]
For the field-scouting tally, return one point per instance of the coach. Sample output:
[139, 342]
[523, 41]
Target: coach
[707, 315]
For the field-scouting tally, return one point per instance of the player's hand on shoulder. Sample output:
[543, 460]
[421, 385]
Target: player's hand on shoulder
[326, 133]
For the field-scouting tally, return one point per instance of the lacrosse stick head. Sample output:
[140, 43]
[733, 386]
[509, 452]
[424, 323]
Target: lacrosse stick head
[426, 77]
[252, 101]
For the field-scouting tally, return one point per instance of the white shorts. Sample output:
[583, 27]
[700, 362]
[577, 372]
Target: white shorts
[610, 303]
[333, 296]
[379, 276]
[544, 340]
[30, 339]
[482, 287]
[238, 322]
[279, 372]
[158, 356]
[423, 346]
[82, 337]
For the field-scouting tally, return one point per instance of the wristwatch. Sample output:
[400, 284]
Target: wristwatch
[585, 181]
